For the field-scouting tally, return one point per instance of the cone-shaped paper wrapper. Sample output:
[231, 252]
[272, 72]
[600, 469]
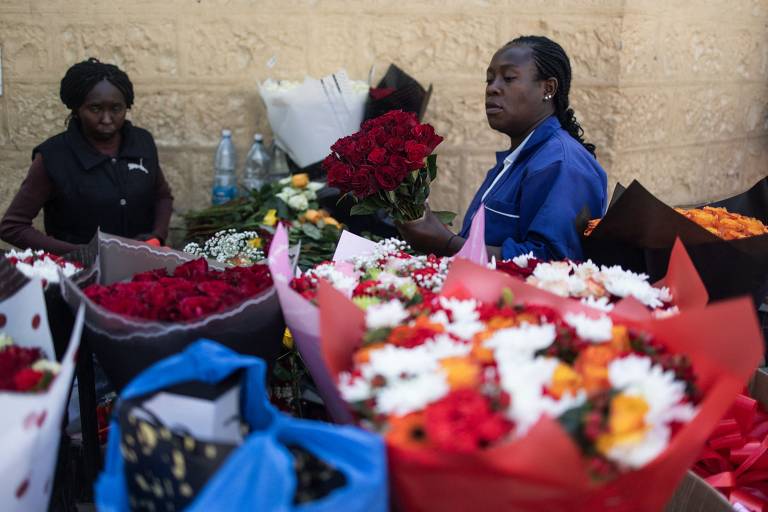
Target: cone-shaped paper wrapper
[543, 470]
[474, 248]
[302, 318]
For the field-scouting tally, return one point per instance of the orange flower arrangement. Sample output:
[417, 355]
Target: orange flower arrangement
[718, 221]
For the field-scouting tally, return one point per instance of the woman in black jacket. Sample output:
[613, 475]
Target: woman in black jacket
[102, 172]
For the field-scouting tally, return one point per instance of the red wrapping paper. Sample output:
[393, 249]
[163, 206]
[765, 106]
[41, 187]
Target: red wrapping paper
[735, 460]
[544, 470]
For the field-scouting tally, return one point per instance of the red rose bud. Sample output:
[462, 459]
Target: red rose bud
[27, 379]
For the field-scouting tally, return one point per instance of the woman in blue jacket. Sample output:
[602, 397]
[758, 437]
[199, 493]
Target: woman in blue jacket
[537, 189]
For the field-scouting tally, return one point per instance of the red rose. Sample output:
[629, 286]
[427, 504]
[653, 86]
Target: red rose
[27, 379]
[416, 153]
[387, 178]
[463, 421]
[361, 182]
[377, 156]
[192, 269]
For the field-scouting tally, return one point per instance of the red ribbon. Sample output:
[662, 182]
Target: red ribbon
[735, 460]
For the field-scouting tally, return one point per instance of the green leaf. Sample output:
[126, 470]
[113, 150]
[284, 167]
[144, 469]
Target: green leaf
[445, 217]
[312, 231]
[432, 166]
[364, 208]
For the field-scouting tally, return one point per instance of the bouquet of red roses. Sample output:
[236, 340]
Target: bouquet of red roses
[387, 164]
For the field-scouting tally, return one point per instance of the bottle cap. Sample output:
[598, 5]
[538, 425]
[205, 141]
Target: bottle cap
[258, 137]
[226, 133]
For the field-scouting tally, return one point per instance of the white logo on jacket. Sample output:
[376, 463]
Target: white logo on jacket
[139, 166]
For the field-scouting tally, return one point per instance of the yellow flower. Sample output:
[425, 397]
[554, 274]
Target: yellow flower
[330, 221]
[255, 243]
[312, 216]
[300, 180]
[270, 219]
[565, 380]
[626, 422]
[288, 339]
[461, 372]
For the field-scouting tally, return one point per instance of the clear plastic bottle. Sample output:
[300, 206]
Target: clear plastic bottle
[225, 163]
[279, 168]
[257, 165]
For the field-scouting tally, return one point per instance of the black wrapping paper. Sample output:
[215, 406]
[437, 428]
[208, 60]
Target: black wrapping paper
[638, 231]
[125, 346]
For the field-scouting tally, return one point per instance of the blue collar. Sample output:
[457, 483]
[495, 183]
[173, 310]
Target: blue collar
[541, 134]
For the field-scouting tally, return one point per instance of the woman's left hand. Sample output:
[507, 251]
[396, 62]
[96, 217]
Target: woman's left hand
[426, 235]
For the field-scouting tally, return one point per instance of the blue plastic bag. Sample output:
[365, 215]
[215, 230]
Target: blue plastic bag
[259, 474]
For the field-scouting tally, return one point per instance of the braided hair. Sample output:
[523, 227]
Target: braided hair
[552, 62]
[83, 76]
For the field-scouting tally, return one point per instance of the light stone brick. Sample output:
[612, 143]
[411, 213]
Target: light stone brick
[458, 114]
[432, 46]
[25, 49]
[336, 40]
[14, 164]
[447, 188]
[144, 48]
[5, 136]
[639, 54]
[238, 49]
[34, 113]
[196, 118]
[190, 174]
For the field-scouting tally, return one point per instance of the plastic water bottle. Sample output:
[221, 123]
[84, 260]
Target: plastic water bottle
[225, 179]
[257, 164]
[279, 168]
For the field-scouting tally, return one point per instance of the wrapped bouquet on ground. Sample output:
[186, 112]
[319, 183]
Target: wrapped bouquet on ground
[498, 395]
[638, 232]
[150, 302]
[195, 432]
[34, 387]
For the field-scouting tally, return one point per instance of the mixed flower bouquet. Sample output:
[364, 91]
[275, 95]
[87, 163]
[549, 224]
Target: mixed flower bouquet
[638, 232]
[42, 264]
[388, 164]
[24, 369]
[292, 200]
[34, 388]
[496, 394]
[150, 302]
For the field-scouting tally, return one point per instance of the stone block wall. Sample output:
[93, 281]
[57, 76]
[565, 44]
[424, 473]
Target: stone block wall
[674, 94]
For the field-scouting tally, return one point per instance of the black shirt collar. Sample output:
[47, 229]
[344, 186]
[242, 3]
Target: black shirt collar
[88, 155]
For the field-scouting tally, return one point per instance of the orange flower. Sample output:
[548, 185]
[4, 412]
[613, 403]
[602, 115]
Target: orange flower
[407, 431]
[461, 372]
[620, 338]
[565, 380]
[626, 422]
[591, 225]
[481, 353]
[592, 364]
[414, 335]
[724, 224]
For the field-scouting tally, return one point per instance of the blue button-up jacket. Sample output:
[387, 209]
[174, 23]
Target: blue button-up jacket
[534, 205]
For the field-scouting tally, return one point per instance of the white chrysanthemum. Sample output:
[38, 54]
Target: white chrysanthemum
[465, 321]
[625, 283]
[345, 283]
[404, 396]
[602, 303]
[636, 376]
[521, 342]
[393, 362]
[388, 314]
[314, 186]
[552, 271]
[461, 310]
[354, 389]
[522, 260]
[298, 202]
[585, 270]
[41, 266]
[590, 329]
[524, 381]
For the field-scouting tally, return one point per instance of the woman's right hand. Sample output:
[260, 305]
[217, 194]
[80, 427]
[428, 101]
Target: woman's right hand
[426, 235]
